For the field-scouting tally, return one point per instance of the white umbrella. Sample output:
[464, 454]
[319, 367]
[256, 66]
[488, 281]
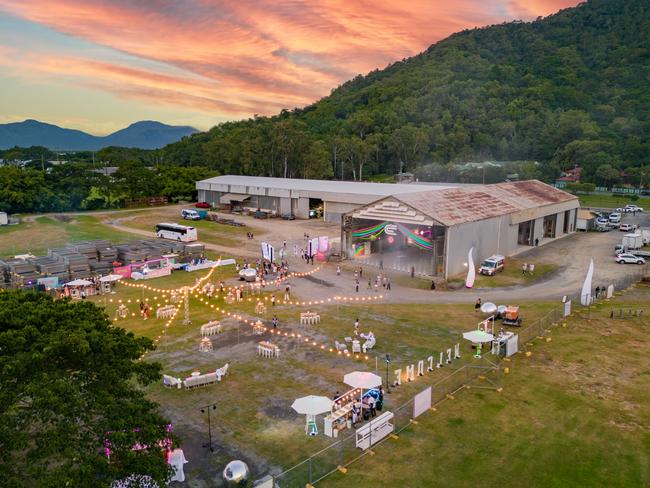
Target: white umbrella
[478, 336]
[79, 283]
[312, 405]
[362, 380]
[110, 278]
[489, 308]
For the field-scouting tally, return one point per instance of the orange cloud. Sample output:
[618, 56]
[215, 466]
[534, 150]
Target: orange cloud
[249, 56]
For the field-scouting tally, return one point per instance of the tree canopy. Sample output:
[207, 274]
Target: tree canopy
[69, 381]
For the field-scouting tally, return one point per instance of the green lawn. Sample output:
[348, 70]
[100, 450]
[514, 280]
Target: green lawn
[254, 402]
[54, 231]
[574, 414]
[610, 201]
[510, 276]
[208, 231]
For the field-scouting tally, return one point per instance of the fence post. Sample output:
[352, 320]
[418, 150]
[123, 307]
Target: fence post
[310, 475]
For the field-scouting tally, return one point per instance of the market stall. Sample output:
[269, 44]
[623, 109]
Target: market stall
[79, 289]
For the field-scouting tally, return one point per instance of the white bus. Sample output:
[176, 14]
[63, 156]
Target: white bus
[176, 232]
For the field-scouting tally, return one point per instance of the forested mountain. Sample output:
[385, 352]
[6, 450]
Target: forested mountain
[569, 89]
[146, 134]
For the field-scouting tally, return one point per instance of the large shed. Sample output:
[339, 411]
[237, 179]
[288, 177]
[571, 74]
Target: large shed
[297, 196]
[431, 232]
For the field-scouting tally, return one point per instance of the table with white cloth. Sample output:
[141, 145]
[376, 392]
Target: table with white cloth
[309, 318]
[268, 350]
[176, 461]
[165, 312]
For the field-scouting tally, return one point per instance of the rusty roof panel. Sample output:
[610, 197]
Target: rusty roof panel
[467, 204]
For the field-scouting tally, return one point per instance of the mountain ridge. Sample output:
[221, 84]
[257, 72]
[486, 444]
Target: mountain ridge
[144, 134]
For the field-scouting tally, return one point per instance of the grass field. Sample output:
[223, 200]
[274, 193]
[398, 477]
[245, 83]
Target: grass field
[254, 415]
[510, 276]
[574, 414]
[610, 201]
[54, 231]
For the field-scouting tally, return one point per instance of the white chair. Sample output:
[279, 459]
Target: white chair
[221, 372]
[370, 342]
[356, 346]
[340, 346]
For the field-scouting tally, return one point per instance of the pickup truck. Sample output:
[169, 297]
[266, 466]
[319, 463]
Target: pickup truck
[619, 249]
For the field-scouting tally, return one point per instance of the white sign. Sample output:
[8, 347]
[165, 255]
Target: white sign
[421, 402]
[610, 291]
[390, 229]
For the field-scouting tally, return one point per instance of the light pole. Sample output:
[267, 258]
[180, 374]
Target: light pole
[207, 409]
[387, 363]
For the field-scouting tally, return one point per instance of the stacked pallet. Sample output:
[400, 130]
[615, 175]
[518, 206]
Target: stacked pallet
[4, 274]
[194, 250]
[50, 266]
[22, 273]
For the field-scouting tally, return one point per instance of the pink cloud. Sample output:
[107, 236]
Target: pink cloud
[239, 57]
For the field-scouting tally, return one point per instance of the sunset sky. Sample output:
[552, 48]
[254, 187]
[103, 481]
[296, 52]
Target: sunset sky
[101, 65]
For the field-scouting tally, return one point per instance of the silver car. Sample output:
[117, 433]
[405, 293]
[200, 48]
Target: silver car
[627, 258]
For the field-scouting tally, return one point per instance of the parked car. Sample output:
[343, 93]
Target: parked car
[602, 221]
[203, 205]
[627, 258]
[190, 214]
[260, 214]
[603, 228]
[625, 227]
[288, 216]
[630, 208]
[492, 265]
[614, 217]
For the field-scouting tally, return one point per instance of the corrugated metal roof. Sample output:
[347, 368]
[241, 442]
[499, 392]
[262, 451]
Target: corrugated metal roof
[460, 205]
[332, 186]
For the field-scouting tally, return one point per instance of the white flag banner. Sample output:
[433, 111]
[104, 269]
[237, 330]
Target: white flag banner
[585, 294]
[267, 251]
[471, 271]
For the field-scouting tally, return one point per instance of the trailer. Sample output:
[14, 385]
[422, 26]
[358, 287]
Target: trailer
[632, 241]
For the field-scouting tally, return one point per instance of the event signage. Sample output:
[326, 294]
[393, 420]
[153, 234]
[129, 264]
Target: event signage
[409, 371]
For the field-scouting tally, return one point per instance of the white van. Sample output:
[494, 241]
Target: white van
[190, 214]
[492, 265]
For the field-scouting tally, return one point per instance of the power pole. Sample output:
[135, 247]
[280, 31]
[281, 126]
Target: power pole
[186, 320]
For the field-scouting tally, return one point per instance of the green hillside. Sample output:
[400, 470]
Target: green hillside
[568, 89]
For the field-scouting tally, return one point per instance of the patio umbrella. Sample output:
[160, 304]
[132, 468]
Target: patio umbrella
[110, 278]
[478, 337]
[79, 283]
[311, 406]
[362, 380]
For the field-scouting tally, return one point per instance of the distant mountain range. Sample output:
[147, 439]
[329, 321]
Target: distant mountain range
[146, 134]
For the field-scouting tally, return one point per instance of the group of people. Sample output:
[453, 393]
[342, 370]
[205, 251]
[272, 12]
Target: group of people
[527, 268]
[364, 409]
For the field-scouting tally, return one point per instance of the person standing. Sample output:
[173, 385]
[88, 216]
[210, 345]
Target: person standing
[412, 271]
[356, 285]
[356, 326]
[287, 292]
[387, 284]
[274, 322]
[477, 305]
[338, 270]
[524, 267]
[273, 300]
[360, 272]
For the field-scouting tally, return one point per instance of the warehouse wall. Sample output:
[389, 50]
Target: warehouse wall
[484, 237]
